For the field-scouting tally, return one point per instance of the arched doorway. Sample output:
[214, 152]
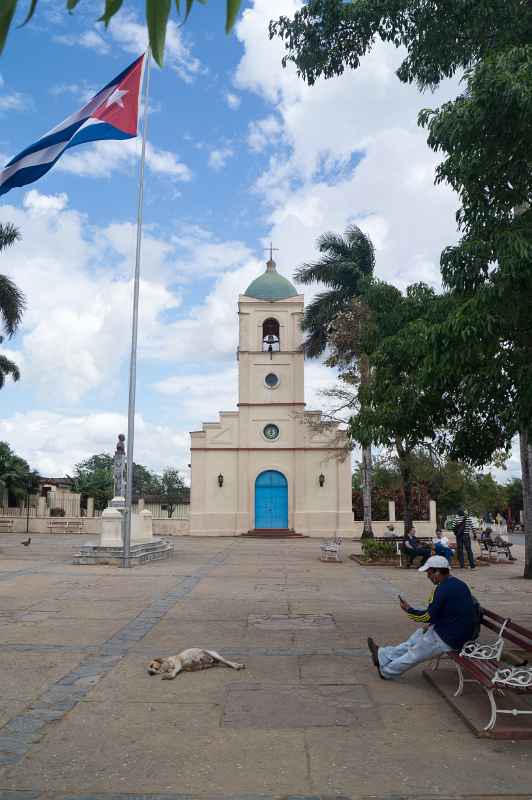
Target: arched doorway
[271, 500]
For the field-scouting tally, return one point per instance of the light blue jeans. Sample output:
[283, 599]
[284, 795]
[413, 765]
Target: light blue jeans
[421, 646]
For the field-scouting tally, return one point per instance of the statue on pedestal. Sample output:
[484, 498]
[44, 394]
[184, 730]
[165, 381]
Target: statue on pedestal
[119, 467]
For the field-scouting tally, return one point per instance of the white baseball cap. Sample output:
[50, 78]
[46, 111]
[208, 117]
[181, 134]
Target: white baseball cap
[435, 562]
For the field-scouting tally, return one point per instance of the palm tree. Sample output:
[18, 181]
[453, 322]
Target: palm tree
[346, 261]
[12, 304]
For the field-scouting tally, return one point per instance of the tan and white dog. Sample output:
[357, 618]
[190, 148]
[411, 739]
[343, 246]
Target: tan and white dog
[189, 661]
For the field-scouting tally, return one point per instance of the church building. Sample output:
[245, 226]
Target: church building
[270, 467]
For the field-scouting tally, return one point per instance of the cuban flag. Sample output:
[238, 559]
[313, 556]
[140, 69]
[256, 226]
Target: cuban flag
[111, 114]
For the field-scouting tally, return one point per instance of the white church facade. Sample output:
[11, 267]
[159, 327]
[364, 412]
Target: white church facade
[271, 466]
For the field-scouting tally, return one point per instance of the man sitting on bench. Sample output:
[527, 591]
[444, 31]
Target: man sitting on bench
[448, 623]
[413, 548]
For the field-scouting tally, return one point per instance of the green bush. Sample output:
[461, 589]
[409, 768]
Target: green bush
[372, 548]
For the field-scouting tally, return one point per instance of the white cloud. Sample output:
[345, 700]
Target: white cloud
[204, 394]
[90, 39]
[83, 92]
[345, 150]
[100, 159]
[43, 203]
[263, 132]
[13, 101]
[39, 436]
[133, 38]
[75, 332]
[219, 157]
[233, 100]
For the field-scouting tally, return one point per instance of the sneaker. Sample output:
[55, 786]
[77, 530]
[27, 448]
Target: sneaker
[374, 651]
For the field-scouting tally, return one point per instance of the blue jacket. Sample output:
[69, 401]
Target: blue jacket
[450, 611]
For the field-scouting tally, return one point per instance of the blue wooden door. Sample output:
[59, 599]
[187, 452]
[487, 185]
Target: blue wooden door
[271, 500]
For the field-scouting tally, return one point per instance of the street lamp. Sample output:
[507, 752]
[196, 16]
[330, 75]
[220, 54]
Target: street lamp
[29, 487]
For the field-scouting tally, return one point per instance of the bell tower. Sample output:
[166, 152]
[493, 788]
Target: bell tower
[270, 355]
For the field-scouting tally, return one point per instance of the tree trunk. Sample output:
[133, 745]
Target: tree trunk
[367, 462]
[526, 470]
[406, 478]
[367, 469]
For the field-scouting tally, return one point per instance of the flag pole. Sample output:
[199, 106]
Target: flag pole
[134, 330]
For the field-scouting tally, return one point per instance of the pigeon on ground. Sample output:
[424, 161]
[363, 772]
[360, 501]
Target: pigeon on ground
[27, 542]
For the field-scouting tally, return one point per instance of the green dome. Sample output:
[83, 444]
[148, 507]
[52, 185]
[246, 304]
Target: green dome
[270, 285]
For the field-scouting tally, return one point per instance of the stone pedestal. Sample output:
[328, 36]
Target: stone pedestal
[142, 527]
[111, 535]
[144, 546]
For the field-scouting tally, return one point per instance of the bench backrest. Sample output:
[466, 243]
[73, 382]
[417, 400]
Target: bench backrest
[517, 634]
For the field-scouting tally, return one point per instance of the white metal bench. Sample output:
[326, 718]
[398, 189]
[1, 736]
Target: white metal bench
[66, 525]
[6, 524]
[330, 550]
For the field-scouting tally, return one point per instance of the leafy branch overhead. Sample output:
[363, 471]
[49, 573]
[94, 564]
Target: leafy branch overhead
[157, 16]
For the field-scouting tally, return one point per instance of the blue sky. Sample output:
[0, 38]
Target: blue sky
[241, 151]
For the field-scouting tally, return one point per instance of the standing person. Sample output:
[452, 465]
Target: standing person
[462, 529]
[450, 617]
[441, 546]
[413, 548]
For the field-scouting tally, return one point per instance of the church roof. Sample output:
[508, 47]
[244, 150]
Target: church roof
[270, 285]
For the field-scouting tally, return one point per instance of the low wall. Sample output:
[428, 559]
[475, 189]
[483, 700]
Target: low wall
[423, 528]
[171, 527]
[91, 525]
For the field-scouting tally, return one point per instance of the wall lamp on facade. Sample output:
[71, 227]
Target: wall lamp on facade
[321, 479]
[220, 480]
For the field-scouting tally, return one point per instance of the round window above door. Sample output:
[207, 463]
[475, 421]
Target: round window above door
[271, 380]
[271, 432]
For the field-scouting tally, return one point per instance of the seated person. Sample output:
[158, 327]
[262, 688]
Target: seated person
[447, 624]
[499, 542]
[441, 546]
[413, 548]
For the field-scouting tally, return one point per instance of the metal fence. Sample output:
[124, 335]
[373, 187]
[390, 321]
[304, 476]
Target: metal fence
[69, 503]
[179, 511]
[17, 511]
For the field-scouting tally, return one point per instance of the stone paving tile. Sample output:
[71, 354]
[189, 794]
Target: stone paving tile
[26, 678]
[155, 748]
[130, 680]
[224, 609]
[56, 631]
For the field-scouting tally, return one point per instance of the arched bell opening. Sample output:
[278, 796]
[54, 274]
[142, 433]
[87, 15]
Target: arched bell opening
[270, 336]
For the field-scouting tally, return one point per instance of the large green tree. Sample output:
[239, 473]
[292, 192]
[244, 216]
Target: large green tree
[485, 139]
[346, 263]
[94, 477]
[173, 489]
[12, 304]
[157, 16]
[16, 476]
[398, 408]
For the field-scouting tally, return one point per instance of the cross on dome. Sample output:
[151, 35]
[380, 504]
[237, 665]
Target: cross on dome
[270, 264]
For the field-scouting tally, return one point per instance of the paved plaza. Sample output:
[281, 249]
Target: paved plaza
[81, 717]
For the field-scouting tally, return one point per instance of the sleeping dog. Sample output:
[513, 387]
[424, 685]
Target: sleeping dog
[189, 661]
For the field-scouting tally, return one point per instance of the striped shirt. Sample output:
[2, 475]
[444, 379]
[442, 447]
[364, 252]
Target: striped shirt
[468, 524]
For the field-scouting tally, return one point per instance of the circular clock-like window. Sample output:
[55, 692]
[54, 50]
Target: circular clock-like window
[271, 380]
[271, 432]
